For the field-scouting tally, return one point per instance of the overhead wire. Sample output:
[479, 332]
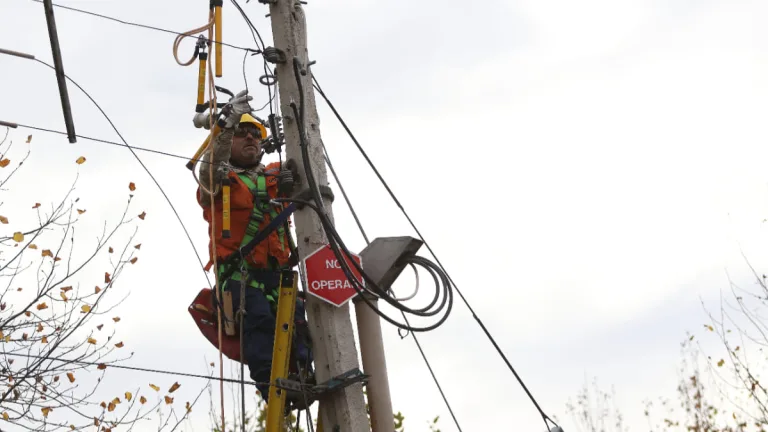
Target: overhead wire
[130, 23]
[544, 416]
[337, 245]
[133, 368]
[109, 120]
[367, 241]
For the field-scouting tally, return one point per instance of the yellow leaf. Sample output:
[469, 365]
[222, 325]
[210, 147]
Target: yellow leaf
[174, 387]
[133, 260]
[85, 308]
[45, 411]
[154, 387]
[143, 215]
[168, 400]
[32, 246]
[80, 211]
[47, 252]
[737, 348]
[4, 163]
[72, 427]
[80, 160]
[119, 345]
[128, 396]
[103, 404]
[116, 401]
[92, 341]
[720, 363]
[3, 219]
[42, 306]
[188, 407]
[63, 296]
[7, 338]
[131, 186]
[710, 328]
[5, 416]
[143, 400]
[111, 407]
[18, 237]
[44, 340]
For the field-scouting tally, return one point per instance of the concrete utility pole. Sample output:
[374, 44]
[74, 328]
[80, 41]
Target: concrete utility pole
[330, 326]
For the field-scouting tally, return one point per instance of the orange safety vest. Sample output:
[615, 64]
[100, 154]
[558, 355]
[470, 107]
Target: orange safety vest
[242, 209]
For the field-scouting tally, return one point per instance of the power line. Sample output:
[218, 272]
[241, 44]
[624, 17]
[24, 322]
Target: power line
[189, 237]
[415, 339]
[134, 368]
[544, 416]
[103, 141]
[130, 23]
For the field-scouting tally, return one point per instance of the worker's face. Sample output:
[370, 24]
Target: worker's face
[246, 150]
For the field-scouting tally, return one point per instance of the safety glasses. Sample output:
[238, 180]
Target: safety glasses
[244, 129]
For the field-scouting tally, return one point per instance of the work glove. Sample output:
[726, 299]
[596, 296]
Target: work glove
[236, 107]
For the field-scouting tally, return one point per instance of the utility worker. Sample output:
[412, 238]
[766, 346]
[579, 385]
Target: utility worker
[252, 185]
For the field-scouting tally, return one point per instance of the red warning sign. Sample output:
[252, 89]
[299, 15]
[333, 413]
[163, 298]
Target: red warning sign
[326, 278]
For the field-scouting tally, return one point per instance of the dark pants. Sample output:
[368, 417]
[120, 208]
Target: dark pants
[259, 331]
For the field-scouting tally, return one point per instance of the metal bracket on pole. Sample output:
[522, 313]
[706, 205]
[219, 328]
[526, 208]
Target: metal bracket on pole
[334, 384]
[59, 67]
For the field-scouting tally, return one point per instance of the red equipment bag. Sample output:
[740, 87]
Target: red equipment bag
[204, 314]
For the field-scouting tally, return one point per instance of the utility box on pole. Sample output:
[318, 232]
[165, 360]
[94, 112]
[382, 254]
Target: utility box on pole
[330, 326]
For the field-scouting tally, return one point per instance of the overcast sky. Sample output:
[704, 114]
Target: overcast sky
[586, 171]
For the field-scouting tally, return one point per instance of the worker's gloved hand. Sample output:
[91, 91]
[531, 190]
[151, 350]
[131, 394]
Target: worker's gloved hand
[236, 107]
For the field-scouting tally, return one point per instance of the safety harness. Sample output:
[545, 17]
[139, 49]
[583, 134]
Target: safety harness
[253, 236]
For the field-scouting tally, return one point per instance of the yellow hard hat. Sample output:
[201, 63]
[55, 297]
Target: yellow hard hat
[247, 118]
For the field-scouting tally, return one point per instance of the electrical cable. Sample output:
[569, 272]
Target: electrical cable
[129, 23]
[134, 368]
[415, 339]
[544, 416]
[103, 141]
[109, 120]
[336, 243]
